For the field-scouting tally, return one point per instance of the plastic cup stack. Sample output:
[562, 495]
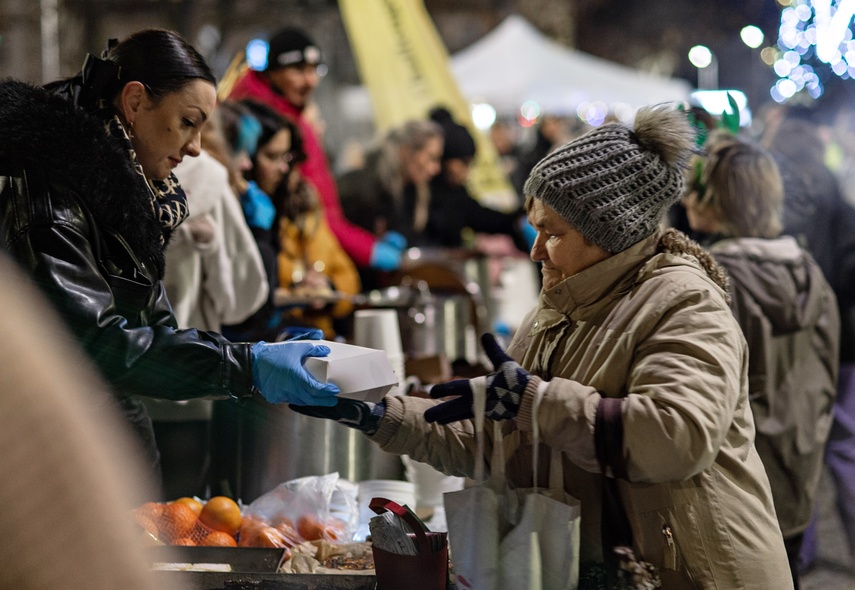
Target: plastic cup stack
[430, 484]
[401, 492]
[379, 329]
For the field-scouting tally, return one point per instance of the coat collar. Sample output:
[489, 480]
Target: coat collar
[585, 292]
[45, 133]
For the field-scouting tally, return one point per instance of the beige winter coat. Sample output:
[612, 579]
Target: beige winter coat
[653, 330]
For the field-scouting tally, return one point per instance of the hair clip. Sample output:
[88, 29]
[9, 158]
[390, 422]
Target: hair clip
[111, 43]
[98, 78]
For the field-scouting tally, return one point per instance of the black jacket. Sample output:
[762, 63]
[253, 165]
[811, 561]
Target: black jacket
[79, 220]
[452, 209]
[368, 204]
[816, 214]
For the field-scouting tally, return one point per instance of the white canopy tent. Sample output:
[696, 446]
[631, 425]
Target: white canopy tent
[516, 63]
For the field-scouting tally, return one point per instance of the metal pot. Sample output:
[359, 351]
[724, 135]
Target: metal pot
[441, 325]
[277, 444]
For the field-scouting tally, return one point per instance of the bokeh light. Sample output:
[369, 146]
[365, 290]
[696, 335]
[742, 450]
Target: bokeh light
[624, 112]
[813, 34]
[483, 115]
[700, 56]
[769, 55]
[752, 36]
[256, 54]
[596, 113]
[528, 113]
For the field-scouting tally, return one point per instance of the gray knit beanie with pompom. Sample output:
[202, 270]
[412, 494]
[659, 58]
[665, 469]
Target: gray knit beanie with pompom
[614, 184]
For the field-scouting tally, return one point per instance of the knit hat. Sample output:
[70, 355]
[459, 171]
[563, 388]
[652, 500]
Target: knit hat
[614, 184]
[458, 143]
[290, 47]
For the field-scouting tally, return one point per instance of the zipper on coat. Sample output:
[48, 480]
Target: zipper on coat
[669, 560]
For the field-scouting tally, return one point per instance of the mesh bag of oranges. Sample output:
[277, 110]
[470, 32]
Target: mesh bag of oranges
[189, 521]
[305, 509]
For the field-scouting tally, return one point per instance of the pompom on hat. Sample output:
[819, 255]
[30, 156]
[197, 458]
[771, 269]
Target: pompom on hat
[290, 47]
[614, 184]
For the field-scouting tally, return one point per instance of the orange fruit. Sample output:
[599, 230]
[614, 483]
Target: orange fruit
[219, 539]
[185, 542]
[194, 504]
[146, 523]
[310, 528]
[151, 510]
[334, 530]
[289, 533]
[176, 521]
[221, 514]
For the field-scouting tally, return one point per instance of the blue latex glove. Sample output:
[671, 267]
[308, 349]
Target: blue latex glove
[356, 414]
[257, 207]
[505, 387]
[394, 239]
[528, 232]
[385, 257]
[278, 372]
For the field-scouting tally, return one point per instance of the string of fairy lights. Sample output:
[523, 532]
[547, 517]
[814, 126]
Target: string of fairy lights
[815, 36]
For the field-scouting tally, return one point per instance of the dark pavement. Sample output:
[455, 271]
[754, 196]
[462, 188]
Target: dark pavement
[833, 569]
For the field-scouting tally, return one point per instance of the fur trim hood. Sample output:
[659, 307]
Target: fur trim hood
[42, 131]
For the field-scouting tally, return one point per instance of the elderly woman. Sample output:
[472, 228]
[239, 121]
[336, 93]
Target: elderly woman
[643, 366]
[89, 203]
[788, 313]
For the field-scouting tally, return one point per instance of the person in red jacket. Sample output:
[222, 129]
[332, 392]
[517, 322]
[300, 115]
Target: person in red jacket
[286, 84]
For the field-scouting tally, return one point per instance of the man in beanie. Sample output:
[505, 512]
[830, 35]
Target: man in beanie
[286, 84]
[637, 369]
[452, 208]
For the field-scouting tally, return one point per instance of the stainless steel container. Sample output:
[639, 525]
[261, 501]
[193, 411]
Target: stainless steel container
[440, 325]
[277, 444]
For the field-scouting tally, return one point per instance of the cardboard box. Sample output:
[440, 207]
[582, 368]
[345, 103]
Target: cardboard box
[429, 369]
[361, 373]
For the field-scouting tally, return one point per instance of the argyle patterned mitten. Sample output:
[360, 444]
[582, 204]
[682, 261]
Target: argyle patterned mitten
[505, 387]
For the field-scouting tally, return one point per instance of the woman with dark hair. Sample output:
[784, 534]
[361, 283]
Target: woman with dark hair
[88, 203]
[302, 254]
[453, 210]
[259, 138]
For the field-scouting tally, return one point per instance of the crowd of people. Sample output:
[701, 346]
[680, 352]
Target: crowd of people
[697, 377]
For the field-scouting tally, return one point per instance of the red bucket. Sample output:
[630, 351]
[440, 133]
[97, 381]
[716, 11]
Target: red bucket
[426, 571]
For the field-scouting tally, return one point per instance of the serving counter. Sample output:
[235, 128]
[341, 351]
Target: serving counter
[252, 568]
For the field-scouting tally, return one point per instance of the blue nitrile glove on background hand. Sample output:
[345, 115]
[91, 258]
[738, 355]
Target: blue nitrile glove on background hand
[278, 372]
[257, 207]
[356, 414]
[385, 257]
[395, 240]
[505, 387]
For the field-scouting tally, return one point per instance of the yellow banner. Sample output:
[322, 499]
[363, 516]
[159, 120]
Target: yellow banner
[405, 67]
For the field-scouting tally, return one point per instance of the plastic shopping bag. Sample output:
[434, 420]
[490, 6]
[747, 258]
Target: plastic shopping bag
[523, 539]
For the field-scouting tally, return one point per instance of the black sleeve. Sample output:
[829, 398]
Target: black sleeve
[361, 199]
[453, 210]
[144, 355]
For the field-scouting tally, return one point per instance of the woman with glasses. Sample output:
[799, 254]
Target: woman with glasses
[310, 273]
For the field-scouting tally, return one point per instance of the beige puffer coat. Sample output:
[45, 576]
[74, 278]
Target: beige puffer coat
[654, 331]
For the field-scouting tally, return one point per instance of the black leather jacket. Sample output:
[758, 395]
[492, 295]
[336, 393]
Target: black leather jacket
[78, 219]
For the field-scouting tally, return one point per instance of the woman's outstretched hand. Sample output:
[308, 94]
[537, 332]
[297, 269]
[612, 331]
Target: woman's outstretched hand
[505, 387]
